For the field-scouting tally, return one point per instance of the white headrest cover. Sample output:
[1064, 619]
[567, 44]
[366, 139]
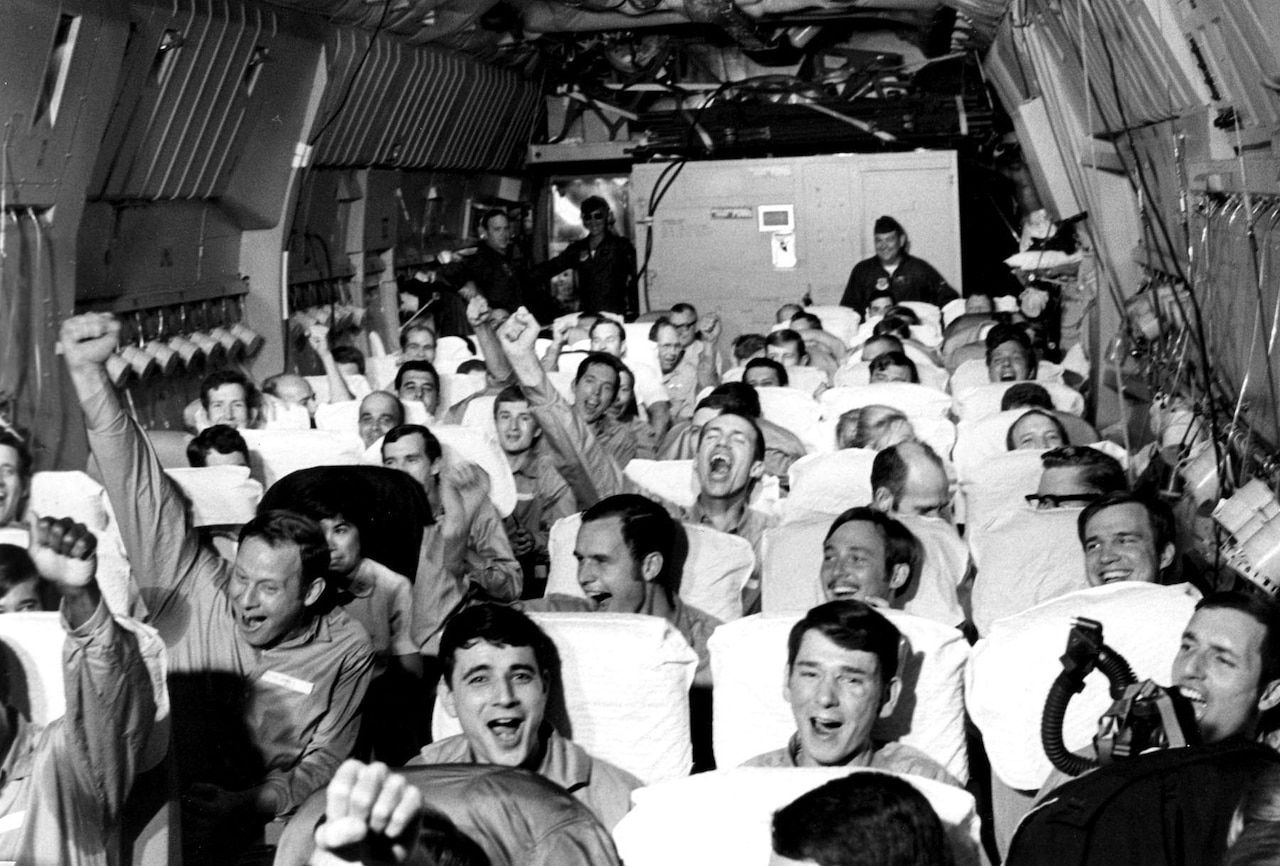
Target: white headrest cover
[219, 495]
[748, 662]
[626, 679]
[907, 397]
[280, 452]
[1024, 558]
[1011, 669]
[672, 480]
[983, 400]
[998, 485]
[715, 571]
[726, 816]
[829, 483]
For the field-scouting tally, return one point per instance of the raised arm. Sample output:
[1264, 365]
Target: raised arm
[318, 337]
[478, 316]
[163, 549]
[111, 705]
[589, 469]
[708, 377]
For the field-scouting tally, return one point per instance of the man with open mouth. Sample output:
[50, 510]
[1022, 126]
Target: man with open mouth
[841, 676]
[266, 689]
[868, 556]
[498, 671]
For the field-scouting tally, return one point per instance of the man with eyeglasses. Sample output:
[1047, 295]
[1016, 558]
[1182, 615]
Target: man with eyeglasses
[1031, 555]
[604, 262]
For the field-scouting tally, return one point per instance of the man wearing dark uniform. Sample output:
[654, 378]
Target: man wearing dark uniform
[893, 270]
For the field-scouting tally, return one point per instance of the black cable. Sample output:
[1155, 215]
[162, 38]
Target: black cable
[351, 82]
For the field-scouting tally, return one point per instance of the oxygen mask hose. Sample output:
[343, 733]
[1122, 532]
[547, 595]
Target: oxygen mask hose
[1085, 651]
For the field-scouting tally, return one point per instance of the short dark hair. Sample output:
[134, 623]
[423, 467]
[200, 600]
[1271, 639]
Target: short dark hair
[684, 307]
[509, 394]
[894, 326]
[902, 311]
[767, 364]
[863, 819]
[490, 214]
[499, 625]
[758, 451]
[884, 338]
[746, 345]
[889, 469]
[222, 438]
[1164, 528]
[593, 204]
[1262, 609]
[895, 359]
[813, 320]
[16, 568]
[646, 526]
[601, 359]
[1057, 423]
[658, 324]
[1026, 395]
[1101, 471]
[416, 367]
[472, 365]
[278, 527]
[1008, 333]
[349, 355]
[430, 444]
[736, 397]
[219, 378]
[26, 461]
[605, 320]
[880, 294]
[901, 547]
[885, 224]
[850, 625]
[782, 336]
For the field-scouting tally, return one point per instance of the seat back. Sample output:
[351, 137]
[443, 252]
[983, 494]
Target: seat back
[843, 322]
[1011, 669]
[357, 384]
[671, 480]
[624, 696]
[807, 380]
[829, 483]
[726, 816]
[78, 496]
[983, 400]
[907, 397]
[748, 661]
[451, 351]
[714, 566]
[219, 495]
[275, 453]
[791, 560]
[1024, 558]
[381, 370]
[796, 411]
[479, 414]
[997, 485]
[858, 373]
[170, 446]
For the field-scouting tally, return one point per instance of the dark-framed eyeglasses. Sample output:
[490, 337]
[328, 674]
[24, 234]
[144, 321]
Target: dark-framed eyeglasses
[1045, 501]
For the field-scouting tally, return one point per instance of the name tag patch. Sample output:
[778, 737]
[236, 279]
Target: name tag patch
[285, 681]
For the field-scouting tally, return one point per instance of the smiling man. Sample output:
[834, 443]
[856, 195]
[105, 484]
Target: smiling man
[1127, 537]
[868, 555]
[1228, 664]
[624, 552]
[499, 668]
[15, 476]
[265, 688]
[892, 269]
[841, 676]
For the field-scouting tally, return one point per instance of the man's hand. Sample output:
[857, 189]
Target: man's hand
[463, 486]
[318, 337]
[469, 291]
[63, 552]
[88, 340]
[522, 541]
[478, 311]
[371, 817]
[560, 329]
[711, 328]
[520, 332]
